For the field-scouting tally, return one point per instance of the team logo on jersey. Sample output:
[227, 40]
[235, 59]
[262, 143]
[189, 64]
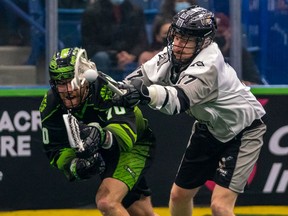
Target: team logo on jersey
[106, 93]
[198, 63]
[128, 169]
[163, 58]
[186, 79]
[223, 164]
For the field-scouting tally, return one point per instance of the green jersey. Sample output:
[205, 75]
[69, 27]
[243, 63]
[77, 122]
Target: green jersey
[133, 140]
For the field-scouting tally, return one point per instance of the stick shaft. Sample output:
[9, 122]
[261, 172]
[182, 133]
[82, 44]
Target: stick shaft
[110, 84]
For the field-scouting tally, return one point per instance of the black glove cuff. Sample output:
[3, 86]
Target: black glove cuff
[85, 168]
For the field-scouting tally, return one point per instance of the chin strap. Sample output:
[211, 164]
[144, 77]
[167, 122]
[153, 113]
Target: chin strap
[175, 73]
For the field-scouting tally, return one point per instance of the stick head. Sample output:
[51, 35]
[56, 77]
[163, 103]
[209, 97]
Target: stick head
[83, 64]
[73, 132]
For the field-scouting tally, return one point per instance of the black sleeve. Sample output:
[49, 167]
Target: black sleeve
[54, 133]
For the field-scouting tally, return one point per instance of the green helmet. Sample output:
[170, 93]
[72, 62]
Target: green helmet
[62, 64]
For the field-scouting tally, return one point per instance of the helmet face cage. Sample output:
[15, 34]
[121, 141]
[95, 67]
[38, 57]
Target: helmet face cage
[195, 22]
[62, 71]
[71, 99]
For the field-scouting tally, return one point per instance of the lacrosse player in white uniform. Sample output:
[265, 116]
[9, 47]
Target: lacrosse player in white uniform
[190, 75]
[85, 135]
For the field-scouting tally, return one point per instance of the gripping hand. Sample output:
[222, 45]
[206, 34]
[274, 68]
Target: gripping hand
[86, 139]
[93, 137]
[136, 92]
[81, 168]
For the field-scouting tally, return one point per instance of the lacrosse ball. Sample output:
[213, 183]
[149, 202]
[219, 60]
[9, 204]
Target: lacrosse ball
[90, 75]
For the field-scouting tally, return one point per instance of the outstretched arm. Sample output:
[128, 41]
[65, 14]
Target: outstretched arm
[168, 99]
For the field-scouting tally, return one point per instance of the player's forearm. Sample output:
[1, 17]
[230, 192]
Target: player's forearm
[164, 99]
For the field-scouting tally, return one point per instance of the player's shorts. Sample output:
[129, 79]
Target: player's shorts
[227, 164]
[130, 167]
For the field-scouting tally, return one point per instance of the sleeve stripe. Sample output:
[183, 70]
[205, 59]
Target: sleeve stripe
[166, 98]
[124, 135]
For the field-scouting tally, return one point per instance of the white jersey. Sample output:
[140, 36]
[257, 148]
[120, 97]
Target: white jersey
[208, 90]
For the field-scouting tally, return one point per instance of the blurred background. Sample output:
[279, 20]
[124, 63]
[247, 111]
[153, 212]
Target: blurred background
[32, 30]
[252, 35]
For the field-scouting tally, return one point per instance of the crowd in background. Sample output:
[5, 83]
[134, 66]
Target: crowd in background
[117, 36]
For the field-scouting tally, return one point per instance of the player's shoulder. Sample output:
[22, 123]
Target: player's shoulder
[158, 65]
[208, 60]
[100, 94]
[210, 53]
[49, 103]
[159, 58]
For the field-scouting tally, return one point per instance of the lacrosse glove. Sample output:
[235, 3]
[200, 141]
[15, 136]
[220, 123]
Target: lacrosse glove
[136, 93]
[81, 168]
[94, 138]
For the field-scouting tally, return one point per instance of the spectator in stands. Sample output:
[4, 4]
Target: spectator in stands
[14, 30]
[161, 25]
[114, 35]
[250, 73]
[282, 5]
[160, 28]
[170, 7]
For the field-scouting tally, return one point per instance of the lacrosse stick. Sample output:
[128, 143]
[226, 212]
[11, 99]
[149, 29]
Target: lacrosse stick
[73, 132]
[86, 70]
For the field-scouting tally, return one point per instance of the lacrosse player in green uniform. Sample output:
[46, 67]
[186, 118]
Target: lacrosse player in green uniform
[84, 135]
